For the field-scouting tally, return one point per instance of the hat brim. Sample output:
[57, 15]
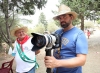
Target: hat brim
[14, 30]
[73, 13]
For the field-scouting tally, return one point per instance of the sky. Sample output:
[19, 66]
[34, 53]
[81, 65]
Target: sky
[51, 5]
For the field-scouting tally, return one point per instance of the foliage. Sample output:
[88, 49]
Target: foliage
[98, 21]
[76, 22]
[9, 7]
[26, 7]
[42, 19]
[3, 32]
[54, 27]
[57, 23]
[39, 28]
[30, 30]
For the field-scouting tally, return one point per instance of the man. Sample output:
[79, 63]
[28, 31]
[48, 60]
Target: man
[24, 56]
[74, 47]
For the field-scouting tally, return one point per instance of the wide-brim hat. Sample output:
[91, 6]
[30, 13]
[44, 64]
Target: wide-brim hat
[63, 9]
[18, 28]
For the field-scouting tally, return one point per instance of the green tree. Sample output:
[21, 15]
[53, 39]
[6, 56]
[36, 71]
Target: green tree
[86, 9]
[26, 7]
[3, 31]
[39, 28]
[9, 7]
[42, 19]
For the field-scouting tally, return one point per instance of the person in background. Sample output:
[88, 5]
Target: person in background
[24, 57]
[74, 46]
[88, 34]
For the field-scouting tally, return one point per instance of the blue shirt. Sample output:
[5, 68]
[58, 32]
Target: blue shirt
[73, 42]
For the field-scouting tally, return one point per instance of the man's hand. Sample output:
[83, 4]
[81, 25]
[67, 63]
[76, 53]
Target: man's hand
[51, 62]
[37, 52]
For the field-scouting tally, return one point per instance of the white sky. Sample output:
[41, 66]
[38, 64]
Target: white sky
[51, 5]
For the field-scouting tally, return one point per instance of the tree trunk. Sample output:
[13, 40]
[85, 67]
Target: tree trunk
[82, 23]
[7, 25]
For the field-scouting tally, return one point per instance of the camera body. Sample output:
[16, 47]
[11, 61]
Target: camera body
[50, 41]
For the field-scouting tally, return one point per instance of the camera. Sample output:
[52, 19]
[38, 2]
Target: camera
[50, 41]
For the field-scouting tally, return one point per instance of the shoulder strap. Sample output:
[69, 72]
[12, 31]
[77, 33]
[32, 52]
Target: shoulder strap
[24, 57]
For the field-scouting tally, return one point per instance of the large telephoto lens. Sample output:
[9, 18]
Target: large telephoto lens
[40, 41]
[49, 41]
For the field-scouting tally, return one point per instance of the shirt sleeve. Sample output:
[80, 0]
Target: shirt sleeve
[81, 44]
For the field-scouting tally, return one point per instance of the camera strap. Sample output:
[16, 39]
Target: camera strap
[59, 49]
[24, 57]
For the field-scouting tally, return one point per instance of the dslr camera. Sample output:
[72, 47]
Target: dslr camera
[50, 41]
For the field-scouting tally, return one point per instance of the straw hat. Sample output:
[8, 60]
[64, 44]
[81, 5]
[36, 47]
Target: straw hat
[63, 9]
[18, 28]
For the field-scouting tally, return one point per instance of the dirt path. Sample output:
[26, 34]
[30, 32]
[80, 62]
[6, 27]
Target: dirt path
[93, 58]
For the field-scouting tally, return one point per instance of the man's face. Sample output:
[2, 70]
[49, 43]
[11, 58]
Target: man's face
[65, 20]
[20, 33]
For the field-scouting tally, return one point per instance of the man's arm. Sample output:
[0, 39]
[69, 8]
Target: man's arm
[79, 60]
[73, 62]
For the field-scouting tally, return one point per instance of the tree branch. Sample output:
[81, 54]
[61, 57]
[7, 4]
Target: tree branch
[12, 19]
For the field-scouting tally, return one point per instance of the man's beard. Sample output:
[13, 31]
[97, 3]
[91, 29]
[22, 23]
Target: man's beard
[64, 24]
